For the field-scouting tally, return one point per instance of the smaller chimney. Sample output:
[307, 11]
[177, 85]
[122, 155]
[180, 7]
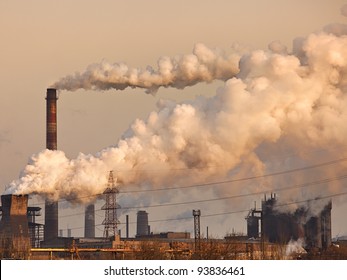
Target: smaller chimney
[127, 225]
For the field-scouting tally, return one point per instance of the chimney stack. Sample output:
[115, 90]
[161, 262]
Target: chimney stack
[127, 225]
[51, 117]
[51, 208]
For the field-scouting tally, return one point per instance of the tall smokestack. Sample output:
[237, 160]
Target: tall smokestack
[51, 117]
[51, 208]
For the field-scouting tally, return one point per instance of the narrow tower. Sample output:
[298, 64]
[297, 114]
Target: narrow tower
[111, 220]
[197, 214]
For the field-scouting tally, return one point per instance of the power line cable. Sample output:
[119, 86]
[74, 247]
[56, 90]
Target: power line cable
[218, 182]
[309, 184]
[238, 211]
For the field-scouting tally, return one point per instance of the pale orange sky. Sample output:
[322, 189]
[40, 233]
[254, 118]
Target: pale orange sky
[42, 41]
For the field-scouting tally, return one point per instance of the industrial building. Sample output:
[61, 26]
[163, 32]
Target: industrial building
[269, 232]
[22, 238]
[142, 226]
[275, 226]
[14, 231]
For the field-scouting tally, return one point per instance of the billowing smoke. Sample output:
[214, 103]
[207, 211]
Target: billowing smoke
[278, 105]
[203, 65]
[295, 247]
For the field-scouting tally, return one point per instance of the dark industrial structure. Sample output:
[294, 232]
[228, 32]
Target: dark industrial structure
[51, 208]
[19, 223]
[127, 226]
[89, 221]
[318, 229]
[36, 230]
[253, 219]
[142, 227]
[14, 231]
[272, 225]
[267, 227]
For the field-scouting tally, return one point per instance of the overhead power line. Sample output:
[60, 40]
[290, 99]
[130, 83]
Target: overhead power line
[237, 211]
[309, 184]
[298, 186]
[215, 182]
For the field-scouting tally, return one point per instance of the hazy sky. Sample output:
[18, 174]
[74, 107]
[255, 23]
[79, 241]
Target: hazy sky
[42, 41]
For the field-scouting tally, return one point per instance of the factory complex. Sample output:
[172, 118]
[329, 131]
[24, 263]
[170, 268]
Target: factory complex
[271, 234]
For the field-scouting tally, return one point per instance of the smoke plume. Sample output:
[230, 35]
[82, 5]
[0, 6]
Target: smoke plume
[203, 65]
[295, 247]
[279, 104]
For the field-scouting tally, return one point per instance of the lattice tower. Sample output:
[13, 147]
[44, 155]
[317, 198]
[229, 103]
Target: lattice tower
[111, 220]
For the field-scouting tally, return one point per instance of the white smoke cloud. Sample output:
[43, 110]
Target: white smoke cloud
[277, 102]
[295, 247]
[203, 65]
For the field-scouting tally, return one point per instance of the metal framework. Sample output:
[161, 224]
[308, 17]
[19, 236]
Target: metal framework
[111, 220]
[36, 231]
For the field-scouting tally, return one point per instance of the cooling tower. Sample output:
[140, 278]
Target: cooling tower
[51, 208]
[15, 239]
[142, 224]
[89, 221]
